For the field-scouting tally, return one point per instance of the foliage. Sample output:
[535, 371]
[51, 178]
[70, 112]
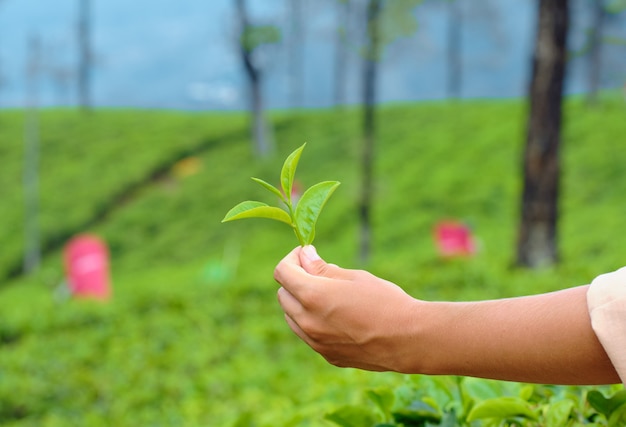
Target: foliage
[92, 164]
[302, 212]
[465, 402]
[398, 20]
[257, 35]
[616, 6]
[193, 335]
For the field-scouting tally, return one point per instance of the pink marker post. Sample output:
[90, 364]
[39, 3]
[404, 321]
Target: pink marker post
[454, 239]
[87, 267]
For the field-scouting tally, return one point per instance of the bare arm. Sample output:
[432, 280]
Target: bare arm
[355, 319]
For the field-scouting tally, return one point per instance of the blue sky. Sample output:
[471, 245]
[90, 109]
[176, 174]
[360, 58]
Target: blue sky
[181, 54]
[146, 51]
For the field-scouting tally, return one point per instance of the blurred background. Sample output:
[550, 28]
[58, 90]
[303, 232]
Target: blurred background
[480, 156]
[162, 54]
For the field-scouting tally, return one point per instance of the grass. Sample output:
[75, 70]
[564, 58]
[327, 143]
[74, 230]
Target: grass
[193, 335]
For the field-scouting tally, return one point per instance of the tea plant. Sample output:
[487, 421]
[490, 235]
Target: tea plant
[303, 216]
[468, 402]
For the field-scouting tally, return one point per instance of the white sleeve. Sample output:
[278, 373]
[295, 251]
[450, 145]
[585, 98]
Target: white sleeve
[606, 300]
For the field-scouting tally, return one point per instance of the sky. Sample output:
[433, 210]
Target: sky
[182, 54]
[145, 51]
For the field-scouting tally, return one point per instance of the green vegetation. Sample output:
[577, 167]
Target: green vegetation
[194, 336]
[300, 214]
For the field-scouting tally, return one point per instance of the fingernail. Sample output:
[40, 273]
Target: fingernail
[310, 253]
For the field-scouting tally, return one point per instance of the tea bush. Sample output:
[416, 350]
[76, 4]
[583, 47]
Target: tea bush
[193, 335]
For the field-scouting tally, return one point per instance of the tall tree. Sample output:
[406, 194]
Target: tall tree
[385, 21]
[370, 71]
[1, 75]
[32, 246]
[455, 21]
[250, 38]
[341, 51]
[537, 239]
[85, 55]
[595, 48]
[296, 53]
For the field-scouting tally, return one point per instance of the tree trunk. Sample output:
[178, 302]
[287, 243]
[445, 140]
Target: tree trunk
[341, 51]
[84, 48]
[258, 124]
[595, 50]
[32, 244]
[454, 49]
[537, 240]
[372, 56]
[296, 54]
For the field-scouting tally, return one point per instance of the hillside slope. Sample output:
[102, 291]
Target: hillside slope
[193, 335]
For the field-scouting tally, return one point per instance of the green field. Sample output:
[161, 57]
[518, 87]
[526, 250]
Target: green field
[193, 335]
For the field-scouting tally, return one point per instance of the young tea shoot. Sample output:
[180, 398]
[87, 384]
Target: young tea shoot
[303, 216]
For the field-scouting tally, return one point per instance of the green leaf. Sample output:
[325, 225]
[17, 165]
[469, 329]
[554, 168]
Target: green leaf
[558, 413]
[449, 419]
[606, 405]
[526, 393]
[270, 187]
[251, 209]
[289, 171]
[618, 416]
[417, 414]
[383, 398]
[352, 416]
[502, 408]
[309, 208]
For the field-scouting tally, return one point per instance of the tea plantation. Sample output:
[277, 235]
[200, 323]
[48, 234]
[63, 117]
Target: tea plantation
[193, 335]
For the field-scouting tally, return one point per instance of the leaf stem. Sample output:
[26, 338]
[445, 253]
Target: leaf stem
[300, 239]
[294, 225]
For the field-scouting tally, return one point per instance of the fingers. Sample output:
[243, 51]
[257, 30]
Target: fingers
[296, 329]
[302, 268]
[293, 311]
[315, 265]
[290, 305]
[289, 272]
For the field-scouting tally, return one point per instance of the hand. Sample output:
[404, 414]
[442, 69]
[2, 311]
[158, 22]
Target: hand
[355, 319]
[351, 317]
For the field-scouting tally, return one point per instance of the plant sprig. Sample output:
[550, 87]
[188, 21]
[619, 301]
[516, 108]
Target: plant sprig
[303, 216]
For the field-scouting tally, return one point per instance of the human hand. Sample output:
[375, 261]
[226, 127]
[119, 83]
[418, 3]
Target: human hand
[351, 317]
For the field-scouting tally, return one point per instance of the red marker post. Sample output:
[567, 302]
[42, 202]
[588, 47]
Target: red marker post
[87, 267]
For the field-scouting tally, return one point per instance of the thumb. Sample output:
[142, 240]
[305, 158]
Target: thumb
[315, 265]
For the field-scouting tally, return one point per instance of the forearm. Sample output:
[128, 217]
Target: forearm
[355, 319]
[542, 339]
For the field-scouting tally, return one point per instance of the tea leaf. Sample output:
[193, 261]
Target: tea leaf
[383, 398]
[502, 408]
[352, 416]
[251, 209]
[301, 218]
[606, 405]
[618, 417]
[559, 412]
[271, 188]
[309, 208]
[289, 171]
[417, 413]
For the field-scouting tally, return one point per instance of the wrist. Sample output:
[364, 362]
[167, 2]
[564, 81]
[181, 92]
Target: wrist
[419, 325]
